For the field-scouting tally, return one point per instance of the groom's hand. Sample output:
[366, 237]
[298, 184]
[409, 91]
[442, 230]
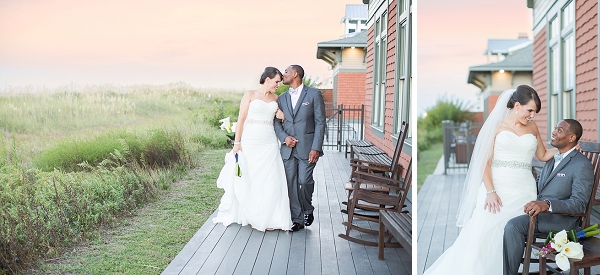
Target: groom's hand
[313, 156]
[533, 208]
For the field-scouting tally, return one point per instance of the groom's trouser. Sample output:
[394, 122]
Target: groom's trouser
[299, 174]
[515, 234]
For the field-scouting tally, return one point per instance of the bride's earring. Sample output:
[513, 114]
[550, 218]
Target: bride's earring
[517, 112]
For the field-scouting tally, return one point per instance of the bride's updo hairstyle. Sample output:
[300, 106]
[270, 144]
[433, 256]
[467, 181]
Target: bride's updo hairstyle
[270, 72]
[523, 95]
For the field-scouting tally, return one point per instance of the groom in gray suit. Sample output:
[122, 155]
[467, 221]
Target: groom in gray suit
[564, 186]
[301, 133]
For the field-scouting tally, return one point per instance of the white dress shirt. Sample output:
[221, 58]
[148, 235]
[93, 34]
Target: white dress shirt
[556, 163]
[295, 94]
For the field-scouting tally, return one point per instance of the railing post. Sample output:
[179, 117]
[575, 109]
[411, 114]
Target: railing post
[339, 128]
[447, 128]
[468, 139]
[362, 121]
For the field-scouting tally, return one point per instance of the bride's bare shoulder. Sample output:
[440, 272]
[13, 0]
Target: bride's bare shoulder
[504, 126]
[533, 128]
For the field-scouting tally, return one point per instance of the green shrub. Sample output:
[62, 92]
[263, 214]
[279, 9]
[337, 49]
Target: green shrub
[156, 148]
[211, 138]
[220, 110]
[163, 149]
[69, 153]
[430, 127]
[44, 212]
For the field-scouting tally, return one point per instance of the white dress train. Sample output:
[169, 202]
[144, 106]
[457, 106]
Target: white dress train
[259, 197]
[478, 248]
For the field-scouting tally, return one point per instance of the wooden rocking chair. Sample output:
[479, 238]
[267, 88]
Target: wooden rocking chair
[387, 168]
[374, 192]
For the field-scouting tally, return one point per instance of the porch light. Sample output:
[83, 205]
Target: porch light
[352, 48]
[501, 71]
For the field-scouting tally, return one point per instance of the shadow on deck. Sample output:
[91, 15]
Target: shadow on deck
[317, 249]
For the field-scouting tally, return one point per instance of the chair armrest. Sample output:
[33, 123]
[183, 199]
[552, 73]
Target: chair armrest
[387, 183]
[366, 176]
[372, 163]
[565, 214]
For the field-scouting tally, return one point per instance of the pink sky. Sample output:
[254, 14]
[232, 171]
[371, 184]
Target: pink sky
[219, 44]
[452, 36]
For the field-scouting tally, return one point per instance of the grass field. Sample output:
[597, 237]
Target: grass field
[428, 160]
[137, 145]
[147, 241]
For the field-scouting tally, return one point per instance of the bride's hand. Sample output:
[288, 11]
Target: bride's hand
[279, 114]
[492, 203]
[237, 148]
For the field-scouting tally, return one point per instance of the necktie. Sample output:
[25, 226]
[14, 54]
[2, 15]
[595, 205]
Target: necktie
[558, 157]
[293, 91]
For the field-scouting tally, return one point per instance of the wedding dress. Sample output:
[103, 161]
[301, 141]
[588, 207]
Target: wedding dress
[259, 197]
[478, 248]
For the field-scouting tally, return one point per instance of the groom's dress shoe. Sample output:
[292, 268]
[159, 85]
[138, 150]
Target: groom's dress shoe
[296, 226]
[308, 219]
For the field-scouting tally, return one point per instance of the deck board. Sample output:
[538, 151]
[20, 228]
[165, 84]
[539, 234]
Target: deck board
[216, 249]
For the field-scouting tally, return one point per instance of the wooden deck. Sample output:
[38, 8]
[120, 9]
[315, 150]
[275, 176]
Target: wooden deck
[317, 249]
[437, 207]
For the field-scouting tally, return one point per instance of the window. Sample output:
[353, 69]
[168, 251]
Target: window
[351, 30]
[561, 50]
[402, 91]
[379, 72]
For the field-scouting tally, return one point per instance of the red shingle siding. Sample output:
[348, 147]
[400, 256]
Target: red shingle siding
[386, 143]
[327, 94]
[351, 88]
[586, 67]
[540, 80]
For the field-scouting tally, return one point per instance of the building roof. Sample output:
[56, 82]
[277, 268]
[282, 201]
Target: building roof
[356, 11]
[359, 39]
[505, 46]
[329, 51]
[518, 60]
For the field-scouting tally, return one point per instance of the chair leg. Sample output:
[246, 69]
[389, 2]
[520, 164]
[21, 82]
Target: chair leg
[530, 238]
[542, 265]
[380, 243]
[351, 206]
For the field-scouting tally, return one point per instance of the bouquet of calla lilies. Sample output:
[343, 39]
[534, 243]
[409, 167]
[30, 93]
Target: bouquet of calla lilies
[565, 244]
[229, 128]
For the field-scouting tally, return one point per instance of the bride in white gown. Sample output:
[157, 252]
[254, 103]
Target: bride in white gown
[259, 196]
[498, 185]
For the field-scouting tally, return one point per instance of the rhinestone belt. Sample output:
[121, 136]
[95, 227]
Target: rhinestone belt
[511, 164]
[256, 121]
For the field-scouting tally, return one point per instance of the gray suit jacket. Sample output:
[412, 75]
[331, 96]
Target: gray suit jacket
[306, 122]
[568, 189]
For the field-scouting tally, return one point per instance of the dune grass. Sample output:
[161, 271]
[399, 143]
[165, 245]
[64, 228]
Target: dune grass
[78, 159]
[147, 241]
